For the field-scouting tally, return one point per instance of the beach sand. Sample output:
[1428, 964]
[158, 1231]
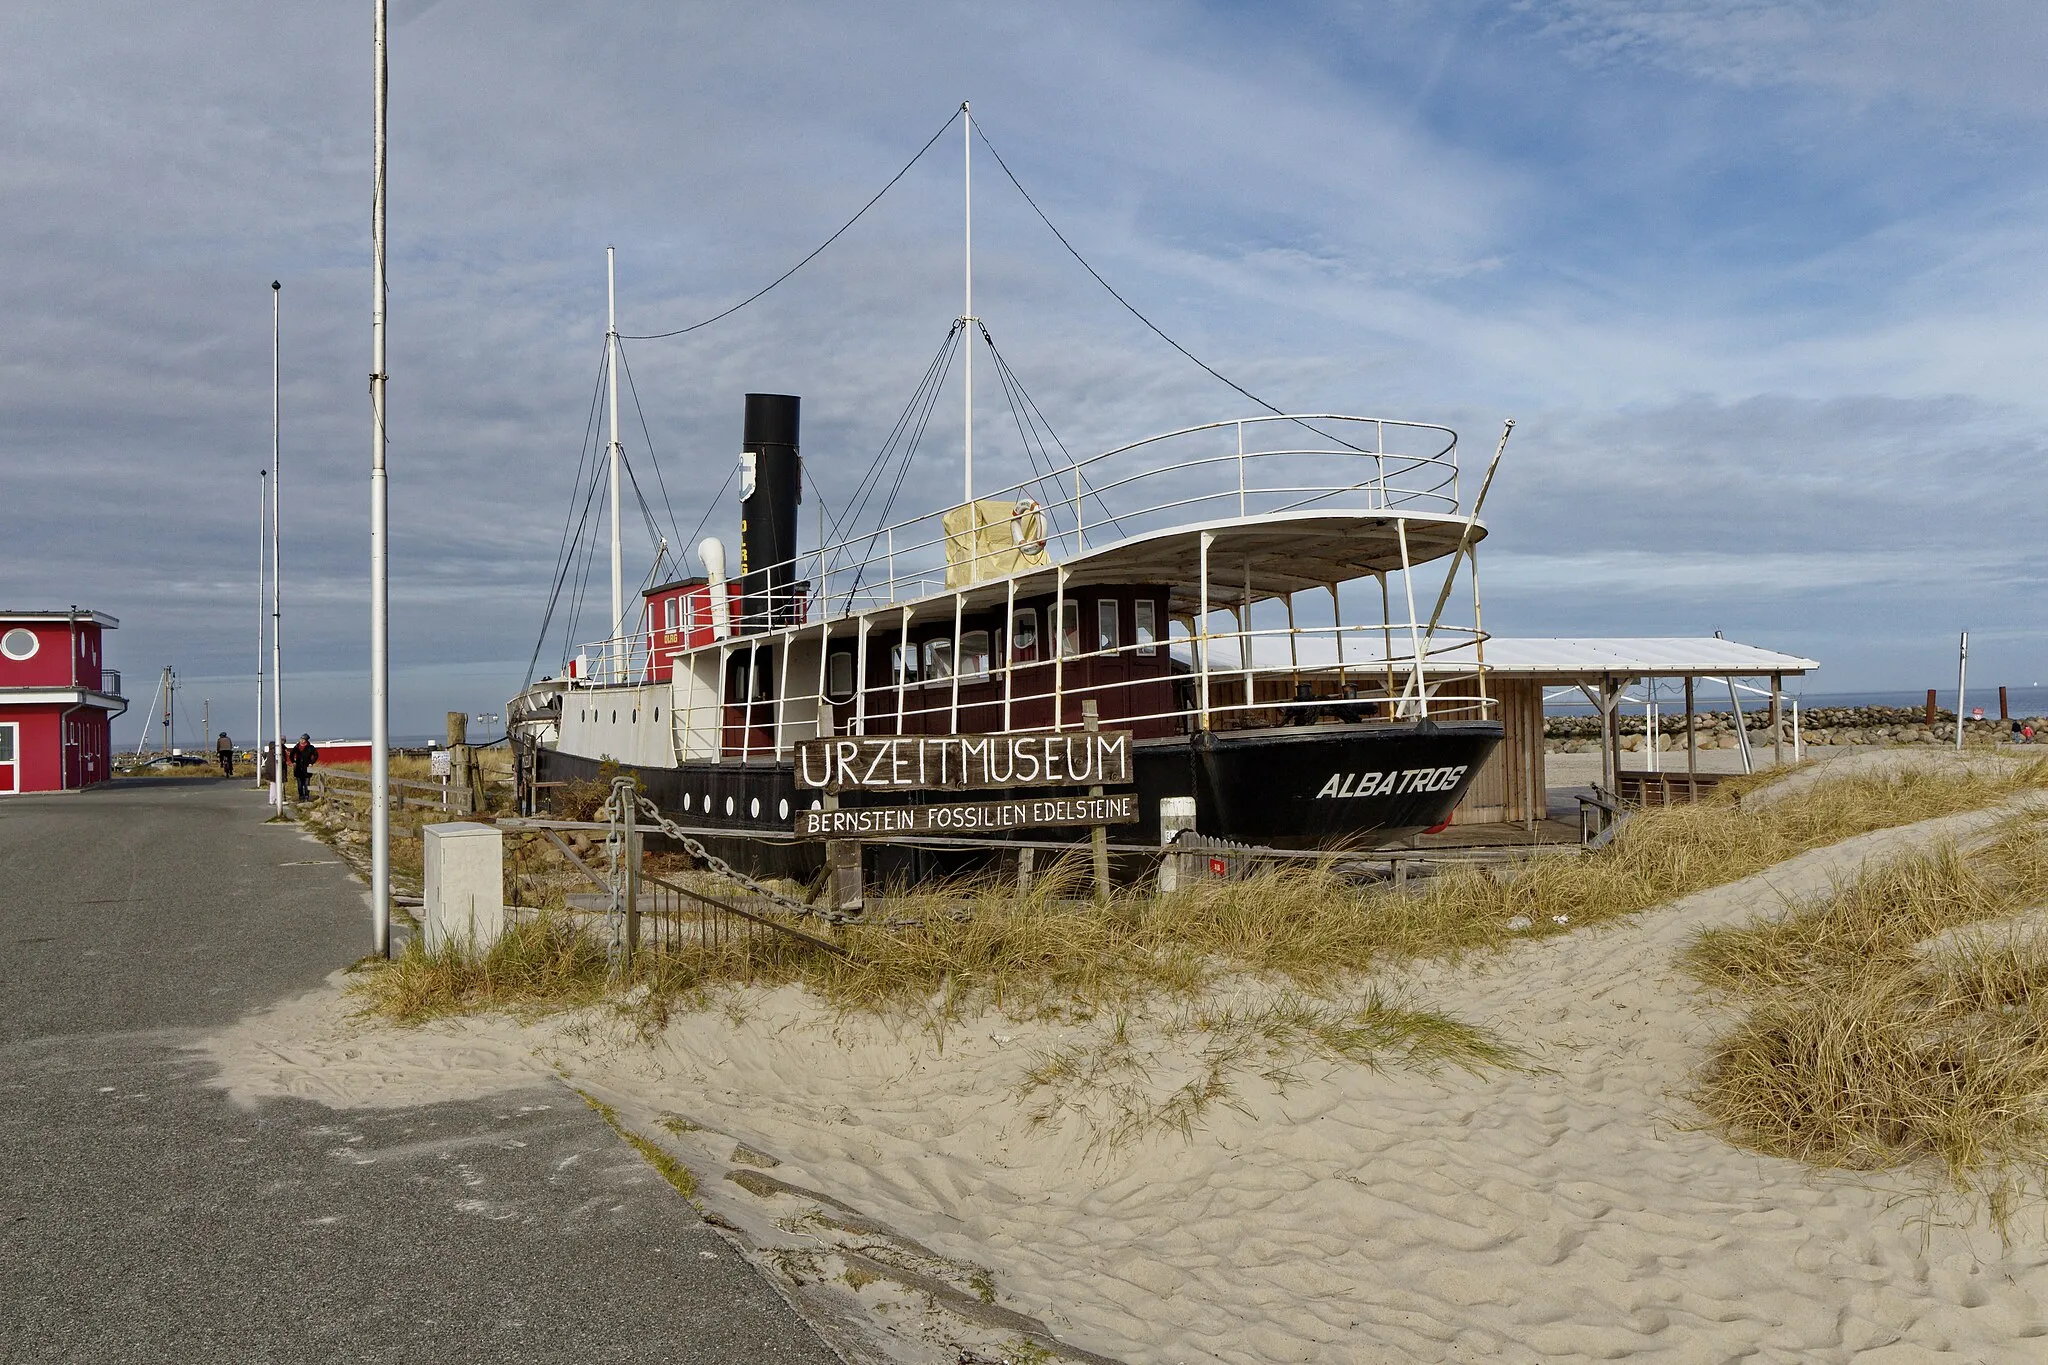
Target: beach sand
[1566, 1212]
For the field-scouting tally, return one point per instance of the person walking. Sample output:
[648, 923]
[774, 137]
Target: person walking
[303, 756]
[225, 748]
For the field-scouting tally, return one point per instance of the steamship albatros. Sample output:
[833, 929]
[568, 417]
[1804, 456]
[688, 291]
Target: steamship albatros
[1193, 585]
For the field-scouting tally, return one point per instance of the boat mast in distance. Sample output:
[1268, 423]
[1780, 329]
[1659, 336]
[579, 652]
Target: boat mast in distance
[616, 669]
[967, 318]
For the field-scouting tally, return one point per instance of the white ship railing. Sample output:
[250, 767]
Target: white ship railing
[1241, 469]
[1246, 467]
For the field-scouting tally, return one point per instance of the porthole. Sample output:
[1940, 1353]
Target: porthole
[754, 808]
[686, 801]
[615, 715]
[817, 804]
[657, 713]
[636, 715]
[19, 644]
[707, 803]
[782, 811]
[728, 805]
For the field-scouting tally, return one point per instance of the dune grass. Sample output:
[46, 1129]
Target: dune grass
[1053, 952]
[970, 948]
[1898, 1022]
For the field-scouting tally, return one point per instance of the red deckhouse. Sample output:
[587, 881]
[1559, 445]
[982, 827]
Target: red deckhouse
[57, 700]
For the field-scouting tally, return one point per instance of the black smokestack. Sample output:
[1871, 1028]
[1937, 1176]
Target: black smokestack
[768, 510]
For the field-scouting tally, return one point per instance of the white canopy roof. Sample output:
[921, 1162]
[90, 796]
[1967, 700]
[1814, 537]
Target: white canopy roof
[1555, 658]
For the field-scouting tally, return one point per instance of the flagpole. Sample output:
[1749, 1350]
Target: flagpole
[262, 582]
[380, 548]
[276, 584]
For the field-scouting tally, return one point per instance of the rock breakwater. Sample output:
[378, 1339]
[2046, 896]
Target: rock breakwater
[1823, 725]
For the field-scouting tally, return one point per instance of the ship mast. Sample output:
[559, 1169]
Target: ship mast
[967, 318]
[617, 667]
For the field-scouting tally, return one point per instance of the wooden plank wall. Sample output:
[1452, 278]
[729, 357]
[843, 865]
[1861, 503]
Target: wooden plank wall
[1504, 788]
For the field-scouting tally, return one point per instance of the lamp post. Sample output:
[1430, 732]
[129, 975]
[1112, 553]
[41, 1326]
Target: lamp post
[380, 555]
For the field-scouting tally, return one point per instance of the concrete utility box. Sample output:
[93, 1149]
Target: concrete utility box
[465, 886]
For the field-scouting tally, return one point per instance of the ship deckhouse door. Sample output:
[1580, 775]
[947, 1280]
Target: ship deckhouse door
[1110, 670]
[10, 757]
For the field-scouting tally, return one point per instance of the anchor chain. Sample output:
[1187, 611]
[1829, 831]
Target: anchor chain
[718, 866]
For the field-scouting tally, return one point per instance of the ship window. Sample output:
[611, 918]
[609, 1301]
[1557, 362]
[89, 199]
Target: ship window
[839, 678]
[938, 658]
[764, 673]
[669, 613]
[1024, 634]
[690, 613]
[1069, 643]
[896, 671]
[18, 644]
[974, 654]
[1105, 624]
[1147, 634]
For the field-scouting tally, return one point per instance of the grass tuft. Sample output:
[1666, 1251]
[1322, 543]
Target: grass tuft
[1125, 1089]
[539, 965]
[1891, 1025]
[667, 1167]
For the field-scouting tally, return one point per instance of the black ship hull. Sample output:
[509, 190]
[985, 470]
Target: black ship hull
[1356, 785]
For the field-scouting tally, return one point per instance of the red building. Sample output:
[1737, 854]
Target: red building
[57, 700]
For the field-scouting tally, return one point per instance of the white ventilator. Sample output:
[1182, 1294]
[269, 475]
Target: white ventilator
[712, 552]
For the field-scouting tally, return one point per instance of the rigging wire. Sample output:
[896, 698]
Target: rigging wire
[726, 313]
[565, 553]
[1129, 307]
[626, 366]
[1011, 380]
[857, 502]
[921, 403]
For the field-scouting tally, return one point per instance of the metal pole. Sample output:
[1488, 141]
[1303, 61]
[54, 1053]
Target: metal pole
[1414, 635]
[262, 582]
[967, 308]
[611, 342]
[1692, 744]
[1741, 727]
[380, 534]
[1962, 677]
[1202, 640]
[276, 593]
[1777, 720]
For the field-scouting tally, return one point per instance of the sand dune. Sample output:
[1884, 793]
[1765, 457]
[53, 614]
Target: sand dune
[1560, 1214]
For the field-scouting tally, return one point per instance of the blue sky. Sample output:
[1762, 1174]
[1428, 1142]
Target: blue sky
[1763, 285]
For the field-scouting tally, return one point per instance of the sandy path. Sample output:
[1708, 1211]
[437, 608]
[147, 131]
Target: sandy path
[1563, 1214]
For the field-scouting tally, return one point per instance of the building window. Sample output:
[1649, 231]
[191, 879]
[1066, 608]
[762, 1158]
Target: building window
[19, 644]
[938, 658]
[1105, 625]
[1147, 634]
[1024, 634]
[1069, 641]
[974, 654]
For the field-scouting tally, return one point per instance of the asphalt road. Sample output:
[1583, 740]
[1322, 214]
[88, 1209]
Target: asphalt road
[145, 1217]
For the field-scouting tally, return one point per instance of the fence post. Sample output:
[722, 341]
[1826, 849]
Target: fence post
[632, 856]
[1098, 837]
[1176, 813]
[844, 890]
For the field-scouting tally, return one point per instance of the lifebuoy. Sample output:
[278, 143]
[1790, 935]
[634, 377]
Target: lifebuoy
[1027, 526]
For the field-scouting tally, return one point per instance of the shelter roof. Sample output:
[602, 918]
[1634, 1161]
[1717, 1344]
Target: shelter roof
[98, 618]
[1666, 656]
